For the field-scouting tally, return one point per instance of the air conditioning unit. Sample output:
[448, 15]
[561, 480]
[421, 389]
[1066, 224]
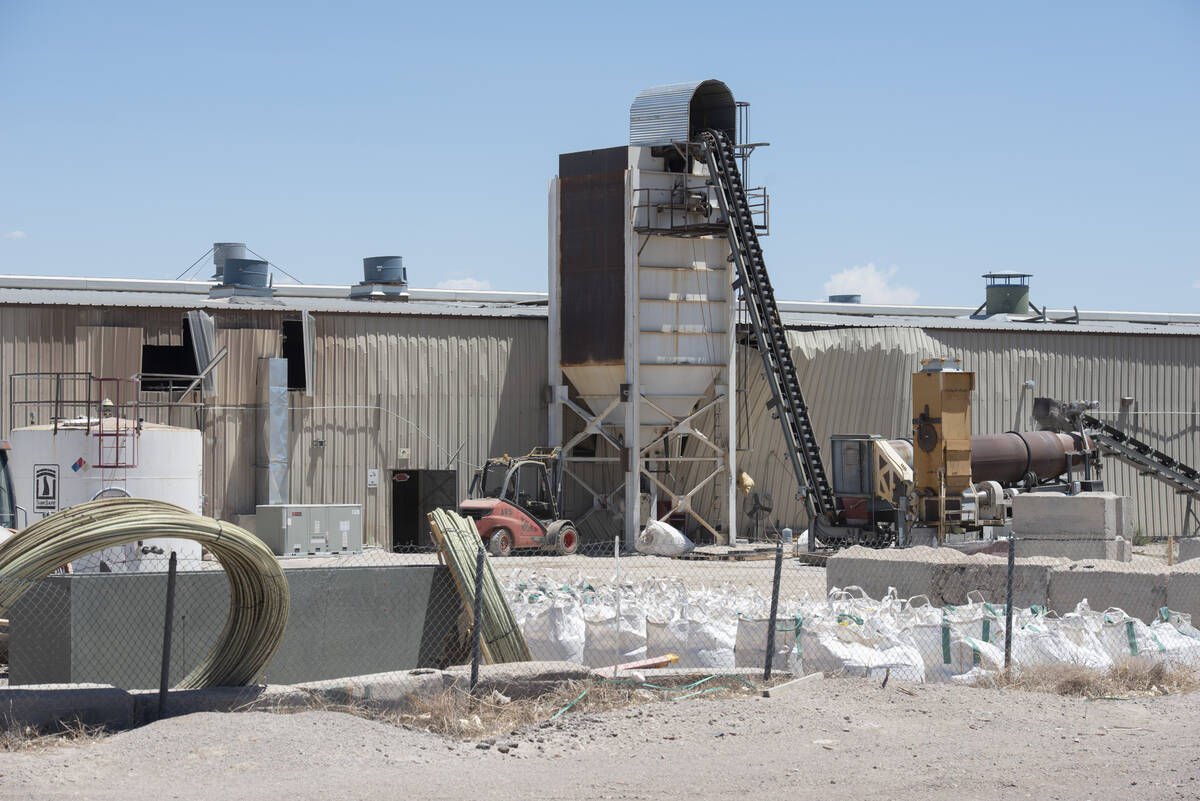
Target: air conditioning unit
[310, 529]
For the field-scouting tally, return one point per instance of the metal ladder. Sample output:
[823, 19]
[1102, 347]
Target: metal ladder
[769, 333]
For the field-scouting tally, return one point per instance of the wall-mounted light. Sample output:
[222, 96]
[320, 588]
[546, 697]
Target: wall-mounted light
[1029, 383]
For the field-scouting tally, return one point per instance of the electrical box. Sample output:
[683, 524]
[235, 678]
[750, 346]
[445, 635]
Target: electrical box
[310, 529]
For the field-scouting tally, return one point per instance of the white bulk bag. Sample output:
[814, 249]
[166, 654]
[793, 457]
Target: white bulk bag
[554, 629]
[662, 539]
[750, 647]
[1125, 637]
[1178, 648]
[846, 646]
[943, 651]
[612, 641]
[697, 638]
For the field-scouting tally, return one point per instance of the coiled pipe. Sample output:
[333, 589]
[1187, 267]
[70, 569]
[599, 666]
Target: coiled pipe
[258, 590]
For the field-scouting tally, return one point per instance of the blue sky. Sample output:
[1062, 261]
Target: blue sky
[914, 146]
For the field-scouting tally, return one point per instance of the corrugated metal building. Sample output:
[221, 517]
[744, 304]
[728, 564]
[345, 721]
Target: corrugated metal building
[449, 378]
[856, 372]
[430, 384]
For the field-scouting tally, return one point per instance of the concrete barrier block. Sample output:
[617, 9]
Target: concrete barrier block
[1125, 517]
[988, 575]
[1139, 589]
[394, 689]
[1183, 589]
[45, 706]
[1087, 515]
[273, 697]
[1189, 548]
[1116, 550]
[943, 574]
[908, 570]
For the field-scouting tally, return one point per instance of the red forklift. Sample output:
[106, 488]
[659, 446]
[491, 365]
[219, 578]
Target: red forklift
[515, 505]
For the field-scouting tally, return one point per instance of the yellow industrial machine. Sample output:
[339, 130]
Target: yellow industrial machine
[941, 395]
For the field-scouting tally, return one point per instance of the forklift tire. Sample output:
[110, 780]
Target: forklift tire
[500, 543]
[566, 540]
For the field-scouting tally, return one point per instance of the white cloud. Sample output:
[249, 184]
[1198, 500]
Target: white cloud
[463, 283]
[15, 235]
[873, 284]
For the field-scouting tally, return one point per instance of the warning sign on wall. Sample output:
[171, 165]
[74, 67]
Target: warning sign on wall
[45, 488]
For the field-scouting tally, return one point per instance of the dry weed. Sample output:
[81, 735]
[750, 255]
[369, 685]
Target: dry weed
[455, 713]
[1130, 679]
[16, 737]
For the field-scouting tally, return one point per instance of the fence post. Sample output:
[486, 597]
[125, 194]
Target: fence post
[774, 610]
[476, 618]
[1008, 604]
[617, 645]
[168, 625]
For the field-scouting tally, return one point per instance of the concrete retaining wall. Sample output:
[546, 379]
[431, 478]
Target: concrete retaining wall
[43, 707]
[946, 576]
[344, 621]
[1140, 590]
[943, 574]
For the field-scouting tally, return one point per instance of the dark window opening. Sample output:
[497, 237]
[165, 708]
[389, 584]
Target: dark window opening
[586, 448]
[293, 351]
[169, 360]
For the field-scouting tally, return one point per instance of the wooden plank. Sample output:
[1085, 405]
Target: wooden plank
[458, 541]
[468, 598]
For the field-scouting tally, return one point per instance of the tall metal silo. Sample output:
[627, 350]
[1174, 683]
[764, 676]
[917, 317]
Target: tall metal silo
[642, 314]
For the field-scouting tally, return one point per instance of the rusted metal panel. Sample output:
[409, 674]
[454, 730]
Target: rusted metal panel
[591, 241]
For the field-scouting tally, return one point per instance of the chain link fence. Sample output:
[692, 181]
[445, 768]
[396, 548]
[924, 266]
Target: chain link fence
[915, 614]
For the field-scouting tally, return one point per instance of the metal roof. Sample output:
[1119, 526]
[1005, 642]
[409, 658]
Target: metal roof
[997, 322]
[67, 291]
[190, 300]
[662, 114]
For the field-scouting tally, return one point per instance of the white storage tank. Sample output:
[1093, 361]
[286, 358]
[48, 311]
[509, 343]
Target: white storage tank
[58, 466]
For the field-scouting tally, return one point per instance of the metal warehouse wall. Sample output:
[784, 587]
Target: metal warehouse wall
[452, 390]
[858, 380]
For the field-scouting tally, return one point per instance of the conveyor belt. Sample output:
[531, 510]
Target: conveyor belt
[1114, 442]
[769, 333]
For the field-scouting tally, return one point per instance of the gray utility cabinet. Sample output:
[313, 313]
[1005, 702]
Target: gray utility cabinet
[300, 529]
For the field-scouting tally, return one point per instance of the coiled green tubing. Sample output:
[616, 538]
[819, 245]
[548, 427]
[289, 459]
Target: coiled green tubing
[258, 591]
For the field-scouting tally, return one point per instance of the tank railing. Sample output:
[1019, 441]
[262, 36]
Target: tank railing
[40, 397]
[69, 396]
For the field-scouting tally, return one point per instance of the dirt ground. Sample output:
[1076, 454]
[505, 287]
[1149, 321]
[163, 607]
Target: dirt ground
[837, 738]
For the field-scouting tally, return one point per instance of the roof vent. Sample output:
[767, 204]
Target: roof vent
[226, 250]
[1007, 293]
[243, 278]
[384, 278]
[845, 298]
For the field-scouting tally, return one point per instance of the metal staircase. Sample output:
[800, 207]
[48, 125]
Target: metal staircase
[769, 333]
